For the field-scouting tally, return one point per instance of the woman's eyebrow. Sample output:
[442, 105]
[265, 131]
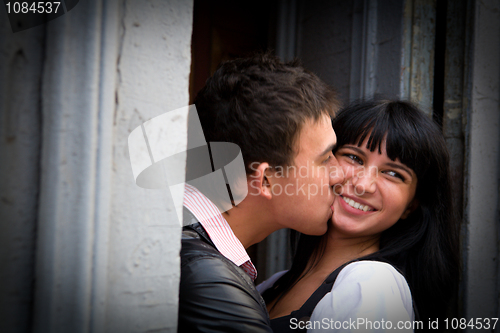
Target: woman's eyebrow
[399, 166]
[357, 149]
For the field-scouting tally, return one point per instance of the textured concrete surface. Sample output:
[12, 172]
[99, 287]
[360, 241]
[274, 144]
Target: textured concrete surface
[483, 161]
[153, 78]
[83, 248]
[21, 59]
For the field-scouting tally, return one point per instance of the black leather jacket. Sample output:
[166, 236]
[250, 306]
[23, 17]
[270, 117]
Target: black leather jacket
[215, 295]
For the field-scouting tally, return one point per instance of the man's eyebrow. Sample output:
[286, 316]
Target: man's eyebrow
[400, 166]
[328, 149]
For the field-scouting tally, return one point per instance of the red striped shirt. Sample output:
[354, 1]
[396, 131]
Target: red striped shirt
[218, 229]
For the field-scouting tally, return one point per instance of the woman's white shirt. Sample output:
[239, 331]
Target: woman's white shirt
[367, 296]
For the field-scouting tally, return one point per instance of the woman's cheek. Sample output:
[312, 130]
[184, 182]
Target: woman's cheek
[348, 170]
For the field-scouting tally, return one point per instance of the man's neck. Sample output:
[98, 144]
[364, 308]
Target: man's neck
[250, 224]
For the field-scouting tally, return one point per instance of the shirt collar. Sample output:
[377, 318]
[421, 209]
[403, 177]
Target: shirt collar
[218, 229]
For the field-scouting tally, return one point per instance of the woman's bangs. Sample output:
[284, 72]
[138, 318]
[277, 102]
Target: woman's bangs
[401, 144]
[353, 127]
[381, 125]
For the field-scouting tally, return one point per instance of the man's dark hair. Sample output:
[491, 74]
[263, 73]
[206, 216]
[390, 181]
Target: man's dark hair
[260, 104]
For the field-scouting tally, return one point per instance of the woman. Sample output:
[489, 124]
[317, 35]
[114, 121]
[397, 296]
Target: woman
[392, 231]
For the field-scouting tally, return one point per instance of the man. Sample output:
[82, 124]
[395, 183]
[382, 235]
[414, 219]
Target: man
[280, 117]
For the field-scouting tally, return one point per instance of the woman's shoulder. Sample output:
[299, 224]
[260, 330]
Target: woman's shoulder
[369, 281]
[373, 277]
[263, 286]
[369, 270]
[367, 289]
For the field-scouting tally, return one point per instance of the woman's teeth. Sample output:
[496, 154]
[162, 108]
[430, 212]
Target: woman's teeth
[356, 205]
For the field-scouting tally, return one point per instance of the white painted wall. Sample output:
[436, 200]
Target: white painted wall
[154, 66]
[103, 253]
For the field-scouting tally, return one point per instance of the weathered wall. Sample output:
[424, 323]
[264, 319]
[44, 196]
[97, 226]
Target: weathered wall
[82, 247]
[417, 77]
[367, 48]
[20, 129]
[482, 221]
[355, 46]
[153, 65]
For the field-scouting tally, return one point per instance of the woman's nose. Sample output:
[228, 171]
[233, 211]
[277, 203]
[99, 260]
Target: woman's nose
[364, 182]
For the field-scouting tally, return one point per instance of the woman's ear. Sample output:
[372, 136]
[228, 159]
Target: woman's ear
[410, 208]
[259, 181]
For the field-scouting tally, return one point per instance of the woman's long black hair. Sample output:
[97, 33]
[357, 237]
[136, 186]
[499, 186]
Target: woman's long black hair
[424, 246]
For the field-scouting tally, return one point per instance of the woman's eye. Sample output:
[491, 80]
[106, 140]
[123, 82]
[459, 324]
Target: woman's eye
[395, 174]
[328, 159]
[354, 158]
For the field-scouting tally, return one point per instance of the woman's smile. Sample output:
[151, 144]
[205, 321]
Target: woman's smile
[355, 205]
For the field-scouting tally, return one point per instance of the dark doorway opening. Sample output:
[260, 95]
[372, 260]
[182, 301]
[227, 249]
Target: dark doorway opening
[225, 30]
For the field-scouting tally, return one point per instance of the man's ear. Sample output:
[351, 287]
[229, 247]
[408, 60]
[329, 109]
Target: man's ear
[258, 181]
[410, 208]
